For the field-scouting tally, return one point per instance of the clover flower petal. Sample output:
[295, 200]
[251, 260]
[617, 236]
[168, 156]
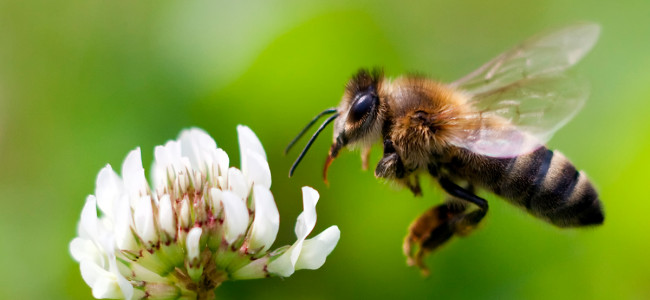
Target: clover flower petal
[201, 223]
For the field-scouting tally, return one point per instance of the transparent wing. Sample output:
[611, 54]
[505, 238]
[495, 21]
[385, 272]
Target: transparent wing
[518, 119]
[522, 97]
[541, 55]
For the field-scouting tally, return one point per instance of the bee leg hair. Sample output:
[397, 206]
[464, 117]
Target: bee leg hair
[430, 231]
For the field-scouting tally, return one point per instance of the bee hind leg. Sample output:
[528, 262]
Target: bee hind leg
[428, 232]
[464, 194]
[466, 222]
[438, 224]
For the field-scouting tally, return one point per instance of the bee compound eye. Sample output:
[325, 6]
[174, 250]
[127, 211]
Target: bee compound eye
[362, 106]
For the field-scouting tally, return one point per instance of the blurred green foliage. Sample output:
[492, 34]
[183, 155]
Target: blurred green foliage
[84, 82]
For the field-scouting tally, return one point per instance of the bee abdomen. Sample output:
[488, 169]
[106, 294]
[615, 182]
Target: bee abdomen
[547, 184]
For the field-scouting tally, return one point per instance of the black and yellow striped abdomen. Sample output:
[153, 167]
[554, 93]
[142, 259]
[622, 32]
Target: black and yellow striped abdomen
[544, 182]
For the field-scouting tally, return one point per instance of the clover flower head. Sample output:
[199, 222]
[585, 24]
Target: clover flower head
[202, 223]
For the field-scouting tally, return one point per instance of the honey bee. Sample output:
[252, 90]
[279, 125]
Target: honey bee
[486, 130]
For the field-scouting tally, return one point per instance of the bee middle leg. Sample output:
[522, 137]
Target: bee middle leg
[438, 224]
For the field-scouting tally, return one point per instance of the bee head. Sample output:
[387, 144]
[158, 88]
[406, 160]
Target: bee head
[357, 120]
[360, 114]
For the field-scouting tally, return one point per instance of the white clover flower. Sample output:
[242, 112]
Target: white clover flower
[203, 223]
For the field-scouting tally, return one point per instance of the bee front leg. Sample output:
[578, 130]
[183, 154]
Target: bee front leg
[392, 167]
[365, 156]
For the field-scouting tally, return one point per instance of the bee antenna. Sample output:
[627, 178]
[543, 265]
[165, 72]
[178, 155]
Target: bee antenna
[311, 141]
[302, 132]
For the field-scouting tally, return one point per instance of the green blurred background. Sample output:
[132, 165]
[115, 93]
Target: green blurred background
[84, 82]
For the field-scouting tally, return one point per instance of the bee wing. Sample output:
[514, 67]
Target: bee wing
[542, 55]
[522, 97]
[519, 119]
